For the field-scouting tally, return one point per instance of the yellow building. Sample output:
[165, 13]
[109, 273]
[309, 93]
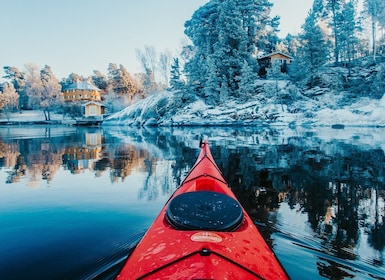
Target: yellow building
[81, 91]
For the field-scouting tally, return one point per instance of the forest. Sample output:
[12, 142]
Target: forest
[221, 58]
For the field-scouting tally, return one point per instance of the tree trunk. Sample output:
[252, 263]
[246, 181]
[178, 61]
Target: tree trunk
[374, 39]
[47, 115]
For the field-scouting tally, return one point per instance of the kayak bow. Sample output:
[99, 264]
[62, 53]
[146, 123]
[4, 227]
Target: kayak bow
[203, 233]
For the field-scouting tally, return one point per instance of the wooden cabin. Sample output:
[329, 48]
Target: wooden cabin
[265, 61]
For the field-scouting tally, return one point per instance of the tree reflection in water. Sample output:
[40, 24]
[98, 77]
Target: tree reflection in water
[339, 186]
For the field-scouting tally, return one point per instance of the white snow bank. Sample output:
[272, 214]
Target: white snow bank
[162, 109]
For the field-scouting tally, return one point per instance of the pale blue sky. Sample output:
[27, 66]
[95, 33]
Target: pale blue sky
[82, 35]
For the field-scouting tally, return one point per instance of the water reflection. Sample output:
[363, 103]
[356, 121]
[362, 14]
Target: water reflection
[321, 190]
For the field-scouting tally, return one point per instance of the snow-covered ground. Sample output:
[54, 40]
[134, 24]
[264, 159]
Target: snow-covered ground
[28, 116]
[285, 107]
[255, 111]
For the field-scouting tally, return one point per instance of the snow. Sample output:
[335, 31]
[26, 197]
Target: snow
[326, 109]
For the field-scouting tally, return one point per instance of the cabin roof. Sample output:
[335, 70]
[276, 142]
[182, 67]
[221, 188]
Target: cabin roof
[273, 53]
[93, 103]
[81, 85]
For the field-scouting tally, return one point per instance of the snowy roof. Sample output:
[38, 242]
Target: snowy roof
[94, 103]
[273, 53]
[81, 85]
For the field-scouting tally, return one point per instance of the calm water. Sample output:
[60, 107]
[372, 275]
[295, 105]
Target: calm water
[75, 201]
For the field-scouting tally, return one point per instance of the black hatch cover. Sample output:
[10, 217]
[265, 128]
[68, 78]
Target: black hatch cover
[204, 210]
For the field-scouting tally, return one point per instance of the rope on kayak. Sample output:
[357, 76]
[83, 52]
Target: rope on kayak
[204, 253]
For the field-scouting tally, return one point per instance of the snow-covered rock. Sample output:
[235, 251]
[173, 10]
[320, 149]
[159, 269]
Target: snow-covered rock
[274, 103]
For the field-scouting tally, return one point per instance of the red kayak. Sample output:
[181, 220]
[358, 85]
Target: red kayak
[203, 233]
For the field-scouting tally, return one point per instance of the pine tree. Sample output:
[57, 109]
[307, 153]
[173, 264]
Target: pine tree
[333, 9]
[225, 34]
[347, 32]
[100, 80]
[313, 52]
[375, 9]
[176, 77]
[247, 80]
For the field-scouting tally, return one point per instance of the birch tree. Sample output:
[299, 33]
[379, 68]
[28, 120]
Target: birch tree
[148, 59]
[164, 66]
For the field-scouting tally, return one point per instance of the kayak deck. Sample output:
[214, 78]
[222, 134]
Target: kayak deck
[203, 233]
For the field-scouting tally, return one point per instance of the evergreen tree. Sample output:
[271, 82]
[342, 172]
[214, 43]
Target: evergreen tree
[247, 80]
[313, 52]
[225, 34]
[333, 9]
[100, 80]
[176, 77]
[375, 9]
[347, 32]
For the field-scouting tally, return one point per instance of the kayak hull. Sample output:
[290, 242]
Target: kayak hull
[225, 247]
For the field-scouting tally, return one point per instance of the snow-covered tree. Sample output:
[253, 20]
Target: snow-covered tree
[247, 81]
[148, 58]
[164, 66]
[122, 83]
[224, 35]
[17, 78]
[100, 80]
[43, 89]
[313, 52]
[176, 81]
[34, 85]
[12, 97]
[51, 96]
[3, 100]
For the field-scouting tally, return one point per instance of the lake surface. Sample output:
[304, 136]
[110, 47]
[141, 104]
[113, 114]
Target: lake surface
[75, 201]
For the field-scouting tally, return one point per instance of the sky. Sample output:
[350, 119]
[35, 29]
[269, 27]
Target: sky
[80, 36]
